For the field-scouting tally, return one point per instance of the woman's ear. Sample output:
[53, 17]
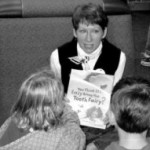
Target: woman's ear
[105, 33]
[74, 33]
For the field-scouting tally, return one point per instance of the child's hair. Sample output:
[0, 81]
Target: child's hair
[91, 14]
[40, 101]
[130, 103]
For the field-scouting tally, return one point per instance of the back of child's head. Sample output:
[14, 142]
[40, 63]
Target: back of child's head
[130, 104]
[40, 101]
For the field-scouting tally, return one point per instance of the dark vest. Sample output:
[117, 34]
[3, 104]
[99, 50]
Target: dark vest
[108, 60]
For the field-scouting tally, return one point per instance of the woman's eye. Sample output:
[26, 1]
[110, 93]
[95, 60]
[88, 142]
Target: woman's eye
[96, 31]
[82, 31]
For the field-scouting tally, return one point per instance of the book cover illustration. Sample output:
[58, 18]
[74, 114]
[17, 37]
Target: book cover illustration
[89, 95]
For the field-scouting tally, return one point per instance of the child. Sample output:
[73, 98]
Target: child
[40, 118]
[130, 113]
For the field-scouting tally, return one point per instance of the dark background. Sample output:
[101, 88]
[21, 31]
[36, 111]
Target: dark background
[141, 22]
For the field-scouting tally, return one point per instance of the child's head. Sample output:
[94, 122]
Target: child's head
[40, 101]
[130, 105]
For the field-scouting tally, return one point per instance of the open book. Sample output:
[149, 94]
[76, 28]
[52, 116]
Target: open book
[89, 95]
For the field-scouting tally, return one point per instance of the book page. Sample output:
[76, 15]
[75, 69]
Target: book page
[89, 95]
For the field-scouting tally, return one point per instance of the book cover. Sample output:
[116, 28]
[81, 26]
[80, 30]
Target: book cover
[89, 95]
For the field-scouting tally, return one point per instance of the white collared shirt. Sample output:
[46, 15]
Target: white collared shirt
[56, 67]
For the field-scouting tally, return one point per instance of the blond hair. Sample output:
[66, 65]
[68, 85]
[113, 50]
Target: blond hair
[40, 101]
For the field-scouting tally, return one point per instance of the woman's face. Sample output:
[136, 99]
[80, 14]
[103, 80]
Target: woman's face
[89, 36]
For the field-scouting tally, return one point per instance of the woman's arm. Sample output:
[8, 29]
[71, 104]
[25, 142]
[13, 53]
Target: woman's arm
[55, 64]
[120, 69]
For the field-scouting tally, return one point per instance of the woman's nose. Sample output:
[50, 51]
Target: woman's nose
[89, 37]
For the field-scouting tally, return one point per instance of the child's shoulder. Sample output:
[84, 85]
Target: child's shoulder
[148, 139]
[114, 146]
[148, 146]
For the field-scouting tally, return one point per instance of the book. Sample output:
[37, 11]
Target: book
[89, 94]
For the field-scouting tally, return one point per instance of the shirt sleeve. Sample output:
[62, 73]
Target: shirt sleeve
[55, 64]
[70, 116]
[72, 139]
[120, 69]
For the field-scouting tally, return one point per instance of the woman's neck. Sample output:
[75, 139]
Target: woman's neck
[132, 141]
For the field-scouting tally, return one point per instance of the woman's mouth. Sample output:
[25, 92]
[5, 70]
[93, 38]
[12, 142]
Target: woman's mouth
[88, 46]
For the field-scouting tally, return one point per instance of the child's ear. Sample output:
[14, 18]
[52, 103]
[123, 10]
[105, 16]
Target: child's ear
[112, 119]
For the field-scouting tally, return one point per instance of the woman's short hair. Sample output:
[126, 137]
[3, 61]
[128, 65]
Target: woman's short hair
[40, 101]
[91, 14]
[130, 104]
